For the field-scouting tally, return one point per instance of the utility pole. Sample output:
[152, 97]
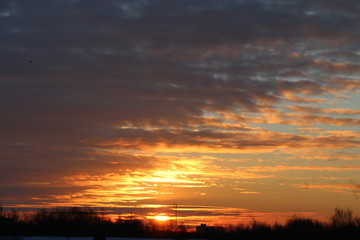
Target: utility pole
[176, 216]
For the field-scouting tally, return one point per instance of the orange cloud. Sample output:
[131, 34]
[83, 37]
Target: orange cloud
[312, 109]
[339, 188]
[301, 168]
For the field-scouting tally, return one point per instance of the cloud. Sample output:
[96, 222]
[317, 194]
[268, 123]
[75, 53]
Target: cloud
[302, 168]
[218, 141]
[312, 109]
[93, 93]
[339, 188]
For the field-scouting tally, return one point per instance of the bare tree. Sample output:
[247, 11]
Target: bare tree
[342, 217]
[2, 212]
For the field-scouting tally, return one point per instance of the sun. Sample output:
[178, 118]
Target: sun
[161, 217]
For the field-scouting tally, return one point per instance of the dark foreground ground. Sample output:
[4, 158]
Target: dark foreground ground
[90, 224]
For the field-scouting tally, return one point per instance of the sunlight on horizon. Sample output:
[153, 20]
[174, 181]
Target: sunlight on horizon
[161, 217]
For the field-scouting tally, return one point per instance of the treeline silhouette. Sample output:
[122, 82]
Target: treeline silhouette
[74, 221]
[77, 222]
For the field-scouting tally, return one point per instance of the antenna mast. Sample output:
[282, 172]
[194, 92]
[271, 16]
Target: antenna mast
[176, 216]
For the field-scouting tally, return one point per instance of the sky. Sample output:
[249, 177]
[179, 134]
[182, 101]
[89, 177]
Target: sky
[233, 110]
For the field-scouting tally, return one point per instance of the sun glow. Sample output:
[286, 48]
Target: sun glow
[161, 217]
